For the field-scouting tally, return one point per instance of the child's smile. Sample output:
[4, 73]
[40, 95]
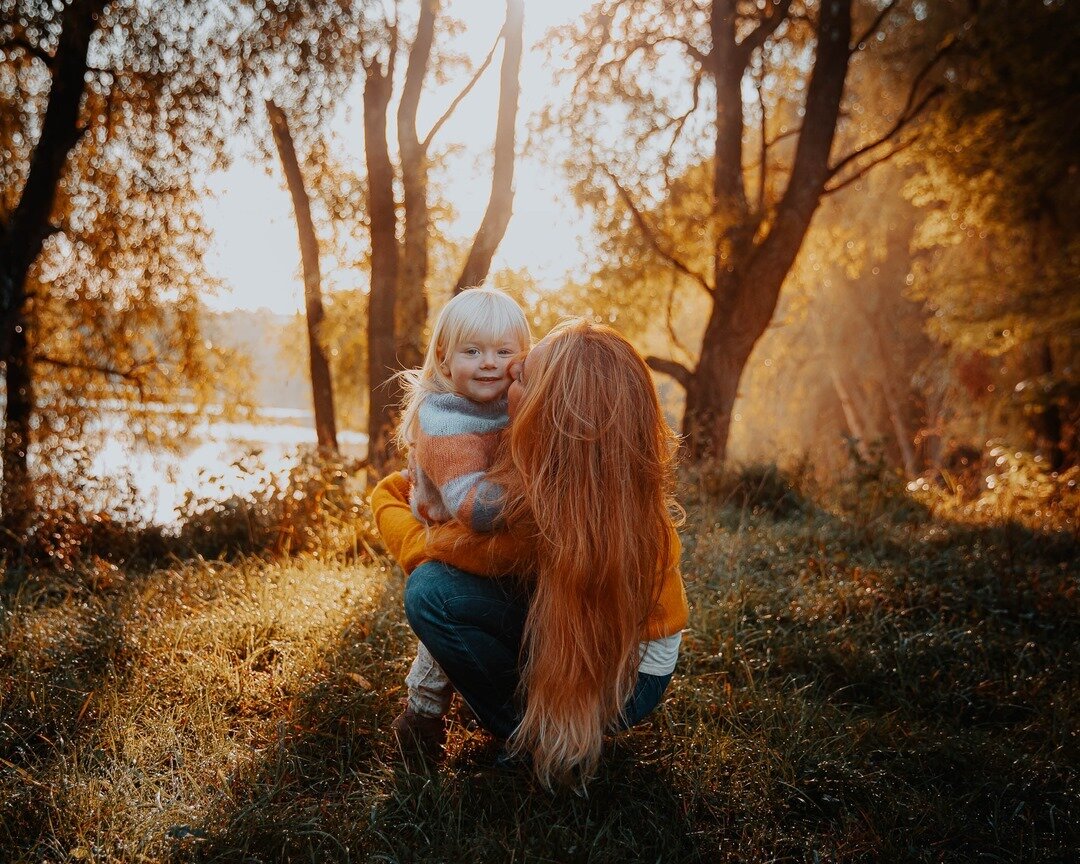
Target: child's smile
[479, 369]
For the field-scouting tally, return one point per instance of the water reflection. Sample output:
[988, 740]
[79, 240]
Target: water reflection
[218, 464]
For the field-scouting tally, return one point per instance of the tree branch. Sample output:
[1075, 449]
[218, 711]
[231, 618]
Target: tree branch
[690, 47]
[874, 26]
[651, 235]
[647, 41]
[672, 335]
[911, 109]
[21, 43]
[680, 123]
[131, 375]
[501, 200]
[670, 367]
[865, 169]
[763, 155]
[901, 123]
[22, 239]
[465, 92]
[946, 46]
[769, 24]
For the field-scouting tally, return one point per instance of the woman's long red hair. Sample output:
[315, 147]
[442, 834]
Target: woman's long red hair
[590, 470]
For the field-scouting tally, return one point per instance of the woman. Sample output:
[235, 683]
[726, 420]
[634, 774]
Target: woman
[584, 639]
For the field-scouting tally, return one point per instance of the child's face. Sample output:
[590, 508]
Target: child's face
[480, 369]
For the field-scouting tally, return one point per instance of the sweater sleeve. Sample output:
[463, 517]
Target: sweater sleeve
[408, 540]
[477, 502]
[403, 535]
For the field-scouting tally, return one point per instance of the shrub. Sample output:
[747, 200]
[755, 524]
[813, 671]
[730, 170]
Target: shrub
[317, 507]
[759, 488]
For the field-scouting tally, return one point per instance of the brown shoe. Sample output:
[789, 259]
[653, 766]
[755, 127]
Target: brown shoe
[419, 733]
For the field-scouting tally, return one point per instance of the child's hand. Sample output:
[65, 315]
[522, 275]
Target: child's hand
[405, 473]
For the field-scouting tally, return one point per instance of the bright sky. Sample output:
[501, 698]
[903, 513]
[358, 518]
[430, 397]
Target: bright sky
[255, 251]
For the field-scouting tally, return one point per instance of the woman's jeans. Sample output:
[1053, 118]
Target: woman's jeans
[473, 627]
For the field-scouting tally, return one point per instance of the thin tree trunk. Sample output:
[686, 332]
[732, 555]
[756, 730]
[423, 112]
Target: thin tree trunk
[22, 236]
[900, 427]
[730, 210]
[384, 267]
[501, 201]
[17, 501]
[935, 420]
[412, 307]
[322, 390]
[851, 412]
[893, 404]
[1049, 425]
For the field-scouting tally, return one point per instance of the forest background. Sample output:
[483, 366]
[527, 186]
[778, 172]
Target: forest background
[844, 235]
[860, 246]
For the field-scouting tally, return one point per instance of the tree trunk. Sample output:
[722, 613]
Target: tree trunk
[851, 411]
[894, 403]
[932, 444]
[899, 424]
[322, 390]
[22, 236]
[382, 363]
[501, 200]
[18, 500]
[1048, 430]
[748, 277]
[412, 307]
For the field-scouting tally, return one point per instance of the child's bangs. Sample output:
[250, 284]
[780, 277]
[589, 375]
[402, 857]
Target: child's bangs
[489, 322]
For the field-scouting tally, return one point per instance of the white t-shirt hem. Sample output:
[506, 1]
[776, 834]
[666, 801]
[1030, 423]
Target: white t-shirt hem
[658, 656]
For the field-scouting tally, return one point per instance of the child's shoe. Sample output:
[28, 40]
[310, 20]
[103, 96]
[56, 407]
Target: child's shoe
[422, 734]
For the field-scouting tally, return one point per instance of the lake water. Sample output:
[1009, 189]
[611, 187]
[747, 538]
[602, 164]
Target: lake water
[212, 467]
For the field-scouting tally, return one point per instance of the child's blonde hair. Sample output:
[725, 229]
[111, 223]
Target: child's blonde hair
[476, 313]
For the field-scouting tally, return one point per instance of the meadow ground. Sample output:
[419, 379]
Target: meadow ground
[869, 682]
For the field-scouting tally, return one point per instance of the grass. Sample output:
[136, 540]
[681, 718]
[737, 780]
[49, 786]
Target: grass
[875, 684]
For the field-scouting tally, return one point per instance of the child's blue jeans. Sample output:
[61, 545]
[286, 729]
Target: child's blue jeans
[473, 627]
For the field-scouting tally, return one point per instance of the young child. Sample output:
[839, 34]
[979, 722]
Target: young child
[454, 408]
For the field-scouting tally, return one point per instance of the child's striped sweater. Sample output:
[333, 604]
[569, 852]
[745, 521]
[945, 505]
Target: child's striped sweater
[453, 448]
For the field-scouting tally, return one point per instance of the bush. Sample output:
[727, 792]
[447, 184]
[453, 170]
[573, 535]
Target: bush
[316, 508]
[761, 489]
[1014, 485]
[874, 488]
[93, 519]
